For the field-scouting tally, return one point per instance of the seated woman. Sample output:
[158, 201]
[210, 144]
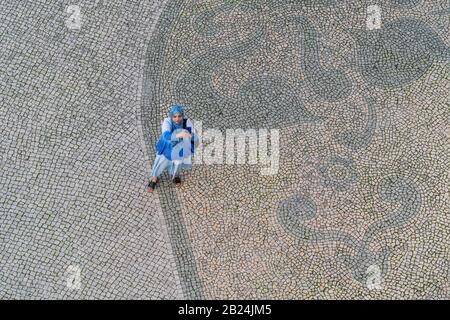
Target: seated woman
[175, 146]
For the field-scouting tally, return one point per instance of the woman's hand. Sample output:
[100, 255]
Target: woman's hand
[183, 135]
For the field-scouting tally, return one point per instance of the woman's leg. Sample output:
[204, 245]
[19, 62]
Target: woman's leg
[173, 168]
[160, 164]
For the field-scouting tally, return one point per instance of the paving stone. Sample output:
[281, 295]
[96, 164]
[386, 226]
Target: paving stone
[358, 208]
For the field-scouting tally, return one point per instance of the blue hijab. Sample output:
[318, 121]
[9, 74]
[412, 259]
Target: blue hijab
[176, 108]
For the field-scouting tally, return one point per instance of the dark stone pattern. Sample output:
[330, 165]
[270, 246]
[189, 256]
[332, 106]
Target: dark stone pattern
[296, 211]
[357, 138]
[335, 90]
[338, 173]
[399, 53]
[362, 182]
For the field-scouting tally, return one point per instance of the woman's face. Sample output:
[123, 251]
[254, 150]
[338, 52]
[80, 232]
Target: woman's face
[176, 118]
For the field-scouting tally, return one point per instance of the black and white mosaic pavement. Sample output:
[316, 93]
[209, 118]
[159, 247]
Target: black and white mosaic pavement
[358, 209]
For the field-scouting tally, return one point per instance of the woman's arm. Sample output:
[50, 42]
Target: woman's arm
[167, 133]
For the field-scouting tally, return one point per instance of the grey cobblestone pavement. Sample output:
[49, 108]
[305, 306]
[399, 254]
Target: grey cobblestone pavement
[359, 91]
[73, 169]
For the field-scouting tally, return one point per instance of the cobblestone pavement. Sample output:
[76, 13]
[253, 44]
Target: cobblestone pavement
[73, 202]
[358, 91]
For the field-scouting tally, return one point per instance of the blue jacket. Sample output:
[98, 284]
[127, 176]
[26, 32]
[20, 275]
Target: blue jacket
[173, 148]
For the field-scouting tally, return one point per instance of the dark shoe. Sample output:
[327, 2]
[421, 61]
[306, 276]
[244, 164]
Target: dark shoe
[176, 180]
[151, 186]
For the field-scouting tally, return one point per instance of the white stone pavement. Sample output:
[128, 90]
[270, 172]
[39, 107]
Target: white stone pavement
[76, 221]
